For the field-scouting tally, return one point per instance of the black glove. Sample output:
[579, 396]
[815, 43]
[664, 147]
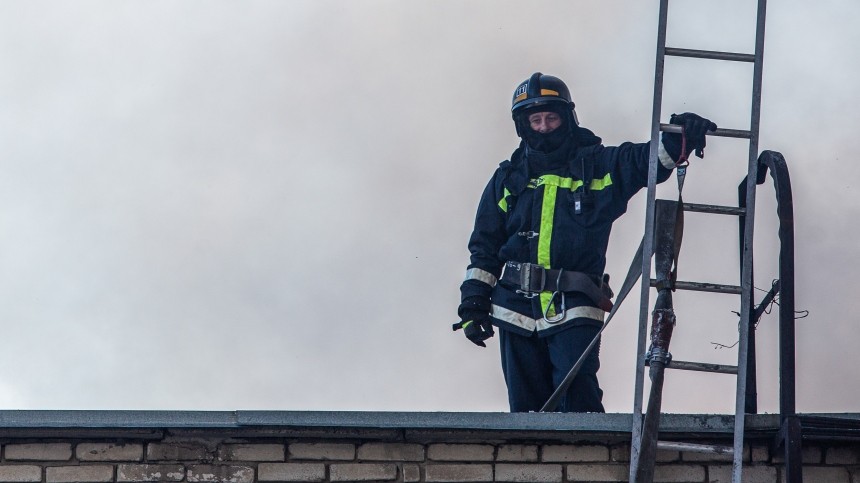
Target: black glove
[695, 127]
[474, 315]
[605, 288]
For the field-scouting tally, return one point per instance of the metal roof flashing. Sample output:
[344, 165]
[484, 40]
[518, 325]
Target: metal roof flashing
[372, 425]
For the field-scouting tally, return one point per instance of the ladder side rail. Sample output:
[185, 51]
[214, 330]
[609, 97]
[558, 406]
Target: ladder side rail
[785, 213]
[648, 240]
[748, 325]
[789, 435]
[746, 305]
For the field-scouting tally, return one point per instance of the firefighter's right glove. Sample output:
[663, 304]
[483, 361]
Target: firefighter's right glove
[695, 128]
[474, 315]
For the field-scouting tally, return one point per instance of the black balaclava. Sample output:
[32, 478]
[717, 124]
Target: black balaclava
[551, 141]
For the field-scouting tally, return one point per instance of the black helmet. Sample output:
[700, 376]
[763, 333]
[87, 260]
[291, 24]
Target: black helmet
[542, 90]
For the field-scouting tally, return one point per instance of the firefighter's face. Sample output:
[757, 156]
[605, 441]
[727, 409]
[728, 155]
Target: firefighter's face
[544, 122]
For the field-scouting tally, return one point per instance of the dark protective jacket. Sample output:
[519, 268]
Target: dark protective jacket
[557, 215]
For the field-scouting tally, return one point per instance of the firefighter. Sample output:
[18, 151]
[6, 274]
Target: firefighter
[538, 249]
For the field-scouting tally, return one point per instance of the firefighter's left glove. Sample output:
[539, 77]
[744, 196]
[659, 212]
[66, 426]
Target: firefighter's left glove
[695, 128]
[474, 315]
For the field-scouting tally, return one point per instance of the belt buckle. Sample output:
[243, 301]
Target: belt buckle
[530, 273]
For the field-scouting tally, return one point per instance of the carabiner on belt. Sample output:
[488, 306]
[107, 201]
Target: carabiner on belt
[560, 315]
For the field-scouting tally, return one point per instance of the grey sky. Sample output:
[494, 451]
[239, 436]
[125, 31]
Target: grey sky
[223, 205]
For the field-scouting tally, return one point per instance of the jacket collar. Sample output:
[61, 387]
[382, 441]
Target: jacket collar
[518, 177]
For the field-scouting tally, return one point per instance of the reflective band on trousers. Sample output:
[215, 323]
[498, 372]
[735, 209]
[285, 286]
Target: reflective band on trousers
[481, 275]
[531, 324]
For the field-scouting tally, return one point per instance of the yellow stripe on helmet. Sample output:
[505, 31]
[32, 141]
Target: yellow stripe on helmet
[543, 92]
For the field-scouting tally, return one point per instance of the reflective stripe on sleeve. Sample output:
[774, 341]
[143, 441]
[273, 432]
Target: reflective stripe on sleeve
[531, 324]
[481, 275]
[503, 203]
[664, 157]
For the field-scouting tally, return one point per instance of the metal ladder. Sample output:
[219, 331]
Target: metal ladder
[744, 289]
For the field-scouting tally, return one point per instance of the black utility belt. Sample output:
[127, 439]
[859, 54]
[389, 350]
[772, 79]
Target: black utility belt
[530, 279]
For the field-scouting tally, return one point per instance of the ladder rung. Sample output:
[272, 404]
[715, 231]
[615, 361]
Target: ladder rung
[720, 132]
[710, 54]
[704, 287]
[694, 448]
[716, 209]
[700, 366]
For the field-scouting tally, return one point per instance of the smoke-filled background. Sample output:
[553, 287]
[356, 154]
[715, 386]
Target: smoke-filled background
[265, 205]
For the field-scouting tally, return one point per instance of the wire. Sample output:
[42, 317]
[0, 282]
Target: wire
[798, 314]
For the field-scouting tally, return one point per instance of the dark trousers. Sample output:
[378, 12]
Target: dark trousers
[534, 367]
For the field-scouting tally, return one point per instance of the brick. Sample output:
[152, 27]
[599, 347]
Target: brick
[760, 454]
[39, 451]
[109, 452]
[14, 473]
[823, 473]
[322, 451]
[460, 452]
[251, 452]
[603, 472]
[362, 472]
[453, 473]
[619, 453]
[842, 455]
[534, 473]
[220, 474]
[391, 452]
[751, 474]
[517, 452]
[76, 474]
[808, 455]
[175, 452]
[664, 456]
[291, 472]
[678, 473]
[566, 453]
[150, 473]
[692, 456]
[411, 473]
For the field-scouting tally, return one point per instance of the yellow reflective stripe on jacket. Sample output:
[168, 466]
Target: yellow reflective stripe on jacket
[569, 183]
[503, 203]
[559, 182]
[547, 215]
[555, 180]
[551, 184]
[599, 184]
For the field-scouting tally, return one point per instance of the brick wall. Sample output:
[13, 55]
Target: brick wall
[214, 459]
[287, 453]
